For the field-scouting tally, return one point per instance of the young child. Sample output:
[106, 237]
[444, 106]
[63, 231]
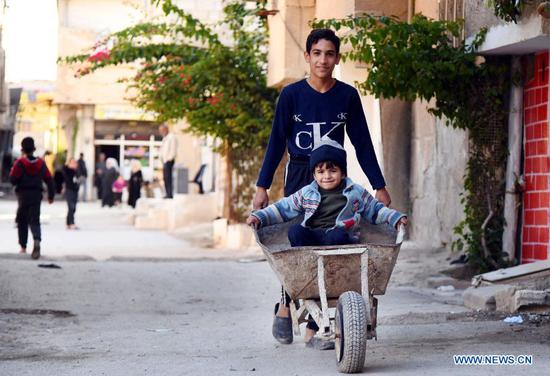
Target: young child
[118, 187]
[333, 206]
[27, 175]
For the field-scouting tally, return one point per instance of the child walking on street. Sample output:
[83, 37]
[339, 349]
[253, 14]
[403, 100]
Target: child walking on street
[27, 175]
[332, 205]
[72, 185]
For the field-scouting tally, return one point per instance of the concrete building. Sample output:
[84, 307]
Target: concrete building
[6, 121]
[528, 42]
[37, 118]
[94, 110]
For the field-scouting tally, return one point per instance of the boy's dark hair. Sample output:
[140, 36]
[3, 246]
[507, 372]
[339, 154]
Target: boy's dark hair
[27, 145]
[318, 34]
[327, 164]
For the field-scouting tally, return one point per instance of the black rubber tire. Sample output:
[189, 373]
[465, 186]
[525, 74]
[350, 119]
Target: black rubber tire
[351, 332]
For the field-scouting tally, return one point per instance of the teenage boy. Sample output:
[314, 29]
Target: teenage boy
[333, 207]
[27, 175]
[308, 111]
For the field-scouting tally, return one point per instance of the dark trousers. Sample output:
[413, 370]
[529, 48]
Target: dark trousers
[28, 215]
[72, 198]
[300, 236]
[167, 174]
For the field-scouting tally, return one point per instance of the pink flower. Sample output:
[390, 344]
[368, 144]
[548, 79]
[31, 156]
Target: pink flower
[99, 56]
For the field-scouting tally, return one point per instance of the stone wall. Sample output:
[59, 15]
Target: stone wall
[438, 159]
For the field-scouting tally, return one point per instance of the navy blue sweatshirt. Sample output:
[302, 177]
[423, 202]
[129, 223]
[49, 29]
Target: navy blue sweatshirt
[304, 116]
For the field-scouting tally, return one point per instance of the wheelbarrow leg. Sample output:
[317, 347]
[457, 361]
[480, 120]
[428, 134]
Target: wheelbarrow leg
[297, 316]
[367, 296]
[323, 294]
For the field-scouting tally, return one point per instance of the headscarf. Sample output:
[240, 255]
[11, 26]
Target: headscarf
[111, 162]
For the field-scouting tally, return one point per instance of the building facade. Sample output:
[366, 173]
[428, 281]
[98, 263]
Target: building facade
[528, 43]
[94, 110]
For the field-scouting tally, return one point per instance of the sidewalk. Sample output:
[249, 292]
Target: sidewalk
[106, 234]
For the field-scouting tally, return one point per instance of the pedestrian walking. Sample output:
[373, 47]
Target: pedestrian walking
[168, 151]
[118, 189]
[309, 111]
[72, 185]
[135, 183]
[82, 173]
[100, 169]
[107, 180]
[27, 175]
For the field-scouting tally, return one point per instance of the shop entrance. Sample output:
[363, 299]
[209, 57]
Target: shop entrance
[110, 151]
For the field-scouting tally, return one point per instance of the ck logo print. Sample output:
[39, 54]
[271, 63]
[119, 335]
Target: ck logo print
[297, 118]
[342, 116]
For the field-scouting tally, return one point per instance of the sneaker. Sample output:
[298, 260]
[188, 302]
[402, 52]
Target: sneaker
[320, 344]
[282, 328]
[35, 255]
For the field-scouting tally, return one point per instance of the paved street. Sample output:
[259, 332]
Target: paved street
[127, 316]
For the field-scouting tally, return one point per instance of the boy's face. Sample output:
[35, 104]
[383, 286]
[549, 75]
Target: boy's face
[328, 178]
[322, 59]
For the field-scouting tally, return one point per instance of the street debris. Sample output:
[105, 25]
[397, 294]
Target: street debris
[446, 288]
[49, 266]
[513, 320]
[160, 330]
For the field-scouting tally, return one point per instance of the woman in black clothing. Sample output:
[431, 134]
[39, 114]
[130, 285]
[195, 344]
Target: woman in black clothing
[111, 174]
[70, 178]
[135, 183]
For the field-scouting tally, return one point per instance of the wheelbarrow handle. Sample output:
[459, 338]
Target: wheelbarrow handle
[401, 232]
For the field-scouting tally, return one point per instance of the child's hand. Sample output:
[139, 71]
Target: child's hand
[253, 221]
[402, 222]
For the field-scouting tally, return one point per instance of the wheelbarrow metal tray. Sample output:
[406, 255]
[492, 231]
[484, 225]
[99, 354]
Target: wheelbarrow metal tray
[296, 267]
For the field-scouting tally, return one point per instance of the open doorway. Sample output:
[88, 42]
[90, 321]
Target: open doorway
[111, 151]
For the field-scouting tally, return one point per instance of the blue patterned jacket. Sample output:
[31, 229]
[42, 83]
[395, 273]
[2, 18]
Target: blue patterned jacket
[360, 204]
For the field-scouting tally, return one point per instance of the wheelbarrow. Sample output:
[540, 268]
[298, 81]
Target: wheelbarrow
[335, 285]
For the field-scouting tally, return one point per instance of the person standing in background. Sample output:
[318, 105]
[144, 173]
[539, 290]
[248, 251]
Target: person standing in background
[135, 183]
[82, 173]
[71, 179]
[100, 169]
[109, 177]
[168, 151]
[27, 175]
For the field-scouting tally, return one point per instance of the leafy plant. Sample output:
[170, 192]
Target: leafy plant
[508, 10]
[186, 70]
[417, 60]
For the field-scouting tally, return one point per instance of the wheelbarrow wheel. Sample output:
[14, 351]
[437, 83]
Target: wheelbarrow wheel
[351, 332]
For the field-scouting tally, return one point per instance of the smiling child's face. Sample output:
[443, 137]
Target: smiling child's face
[328, 176]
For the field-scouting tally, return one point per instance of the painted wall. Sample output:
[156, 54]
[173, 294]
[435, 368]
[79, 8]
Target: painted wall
[536, 199]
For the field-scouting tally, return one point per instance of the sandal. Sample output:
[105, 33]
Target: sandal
[320, 344]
